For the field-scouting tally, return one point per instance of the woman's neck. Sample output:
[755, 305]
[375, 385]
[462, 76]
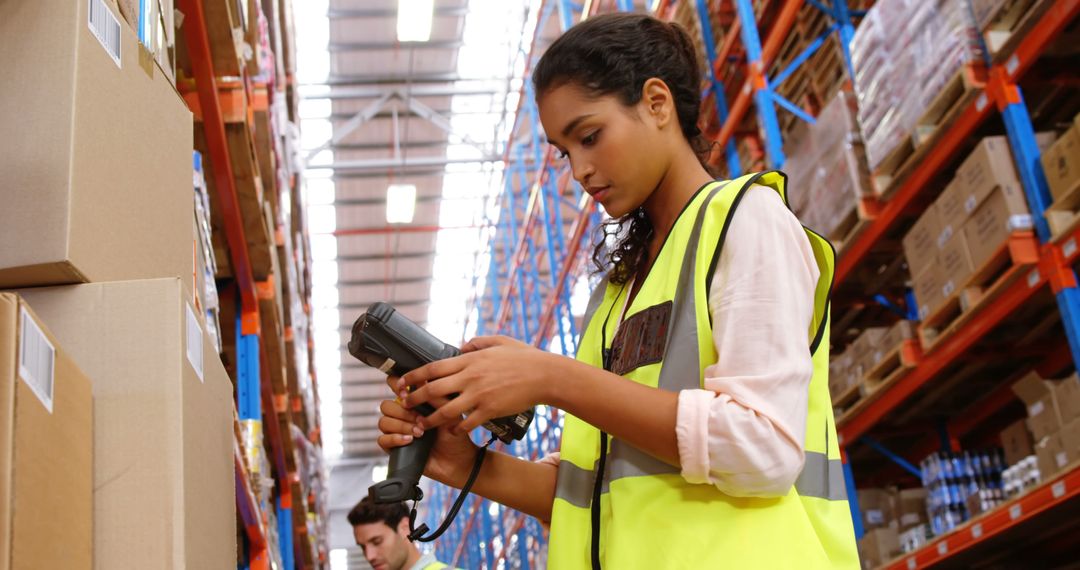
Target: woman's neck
[676, 188]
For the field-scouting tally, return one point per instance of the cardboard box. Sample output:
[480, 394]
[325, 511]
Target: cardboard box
[991, 224]
[955, 267]
[911, 507]
[101, 189]
[1053, 455]
[928, 287]
[1038, 395]
[1017, 443]
[46, 447]
[1067, 396]
[1062, 164]
[163, 410]
[988, 167]
[920, 243]
[877, 508]
[879, 546]
[1070, 439]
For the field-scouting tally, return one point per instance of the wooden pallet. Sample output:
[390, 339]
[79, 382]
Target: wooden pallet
[1012, 23]
[902, 160]
[953, 96]
[893, 365]
[1064, 214]
[985, 285]
[849, 396]
[855, 223]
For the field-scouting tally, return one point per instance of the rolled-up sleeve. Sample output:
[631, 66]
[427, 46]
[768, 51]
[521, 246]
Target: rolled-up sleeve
[744, 431]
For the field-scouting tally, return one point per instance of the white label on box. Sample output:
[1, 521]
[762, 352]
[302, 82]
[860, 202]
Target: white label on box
[924, 312]
[1015, 511]
[105, 27]
[909, 519]
[875, 516]
[976, 531]
[1019, 222]
[1058, 489]
[944, 236]
[1034, 278]
[911, 563]
[1036, 409]
[1062, 458]
[1069, 249]
[970, 203]
[942, 548]
[948, 289]
[1012, 64]
[194, 343]
[981, 102]
[37, 361]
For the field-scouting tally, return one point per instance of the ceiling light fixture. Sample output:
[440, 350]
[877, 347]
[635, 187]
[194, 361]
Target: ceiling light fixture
[400, 203]
[414, 20]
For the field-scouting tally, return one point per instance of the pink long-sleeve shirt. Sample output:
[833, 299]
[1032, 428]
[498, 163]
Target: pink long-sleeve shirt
[744, 431]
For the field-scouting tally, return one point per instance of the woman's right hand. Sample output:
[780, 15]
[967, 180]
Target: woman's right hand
[451, 456]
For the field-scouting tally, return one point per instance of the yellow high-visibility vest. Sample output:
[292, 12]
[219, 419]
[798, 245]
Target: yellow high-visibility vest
[649, 516]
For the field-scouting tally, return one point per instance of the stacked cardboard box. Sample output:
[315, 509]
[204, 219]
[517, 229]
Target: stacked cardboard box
[46, 447]
[967, 225]
[903, 53]
[101, 224]
[1053, 418]
[828, 160]
[1062, 163]
[887, 514]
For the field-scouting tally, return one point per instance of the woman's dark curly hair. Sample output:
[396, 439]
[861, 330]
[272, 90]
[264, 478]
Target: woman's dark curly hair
[615, 54]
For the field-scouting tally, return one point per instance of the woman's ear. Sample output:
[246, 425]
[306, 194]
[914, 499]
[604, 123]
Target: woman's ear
[658, 101]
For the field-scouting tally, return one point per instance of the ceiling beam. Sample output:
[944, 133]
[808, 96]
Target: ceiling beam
[356, 13]
[337, 47]
[382, 165]
[395, 281]
[382, 256]
[317, 92]
[408, 303]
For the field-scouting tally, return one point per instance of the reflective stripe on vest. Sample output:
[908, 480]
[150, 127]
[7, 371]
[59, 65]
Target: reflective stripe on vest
[645, 504]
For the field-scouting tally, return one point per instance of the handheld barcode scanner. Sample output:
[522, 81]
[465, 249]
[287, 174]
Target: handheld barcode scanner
[382, 338]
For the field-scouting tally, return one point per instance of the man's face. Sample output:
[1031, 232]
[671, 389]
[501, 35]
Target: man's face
[385, 548]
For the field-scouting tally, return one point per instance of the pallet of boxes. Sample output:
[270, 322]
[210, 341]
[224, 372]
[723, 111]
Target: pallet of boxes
[98, 225]
[971, 243]
[878, 357]
[1061, 163]
[887, 515]
[1051, 432]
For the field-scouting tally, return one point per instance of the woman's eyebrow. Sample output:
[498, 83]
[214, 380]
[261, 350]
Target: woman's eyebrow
[573, 124]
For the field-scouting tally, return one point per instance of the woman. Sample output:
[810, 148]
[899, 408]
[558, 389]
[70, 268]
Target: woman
[699, 394]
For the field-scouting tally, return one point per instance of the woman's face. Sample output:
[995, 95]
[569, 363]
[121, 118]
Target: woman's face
[615, 151]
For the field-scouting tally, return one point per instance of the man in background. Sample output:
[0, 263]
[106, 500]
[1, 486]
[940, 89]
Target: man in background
[383, 532]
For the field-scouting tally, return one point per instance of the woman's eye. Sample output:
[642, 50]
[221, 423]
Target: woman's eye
[590, 140]
[562, 154]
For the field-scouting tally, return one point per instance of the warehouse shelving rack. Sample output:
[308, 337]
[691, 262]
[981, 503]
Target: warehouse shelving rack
[256, 400]
[514, 281]
[1054, 265]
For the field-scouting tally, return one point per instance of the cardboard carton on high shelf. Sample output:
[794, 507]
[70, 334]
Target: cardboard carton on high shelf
[97, 161]
[878, 507]
[1038, 395]
[1054, 454]
[1062, 164]
[928, 287]
[987, 168]
[1003, 212]
[911, 507]
[954, 265]
[1067, 395]
[163, 431]
[920, 243]
[879, 546]
[892, 338]
[1070, 440]
[46, 447]
[1017, 443]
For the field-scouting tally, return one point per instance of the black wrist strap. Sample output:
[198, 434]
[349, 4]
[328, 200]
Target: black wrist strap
[416, 534]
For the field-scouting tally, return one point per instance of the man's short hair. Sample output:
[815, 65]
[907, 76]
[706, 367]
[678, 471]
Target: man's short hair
[367, 512]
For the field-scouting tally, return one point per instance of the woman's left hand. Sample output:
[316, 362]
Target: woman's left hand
[495, 376]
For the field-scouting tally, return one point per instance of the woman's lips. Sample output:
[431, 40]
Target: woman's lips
[599, 194]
